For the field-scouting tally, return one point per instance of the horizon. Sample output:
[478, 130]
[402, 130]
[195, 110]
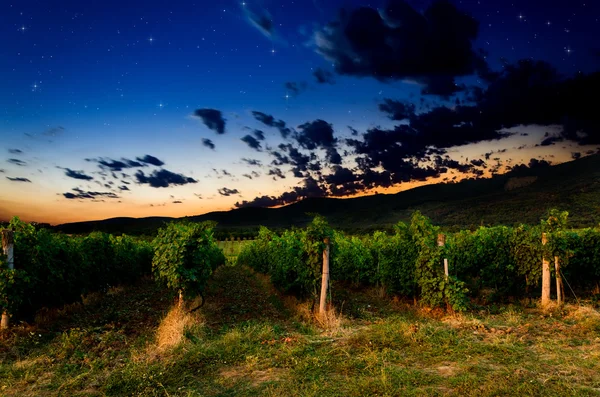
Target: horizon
[171, 110]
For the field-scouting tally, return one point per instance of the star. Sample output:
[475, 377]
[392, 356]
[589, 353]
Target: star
[23, 28]
[273, 51]
[568, 50]
[521, 17]
[150, 40]
[548, 23]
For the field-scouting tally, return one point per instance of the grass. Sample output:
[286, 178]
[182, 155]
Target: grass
[232, 248]
[250, 341]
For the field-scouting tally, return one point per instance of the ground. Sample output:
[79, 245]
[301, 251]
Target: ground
[249, 340]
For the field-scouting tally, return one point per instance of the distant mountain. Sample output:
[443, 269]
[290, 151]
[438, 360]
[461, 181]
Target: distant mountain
[521, 196]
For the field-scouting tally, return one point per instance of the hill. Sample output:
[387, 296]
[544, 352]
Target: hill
[521, 196]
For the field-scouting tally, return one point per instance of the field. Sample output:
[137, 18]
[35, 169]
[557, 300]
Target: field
[249, 340]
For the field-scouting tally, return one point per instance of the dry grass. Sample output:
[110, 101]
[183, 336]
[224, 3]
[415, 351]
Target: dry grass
[170, 332]
[330, 320]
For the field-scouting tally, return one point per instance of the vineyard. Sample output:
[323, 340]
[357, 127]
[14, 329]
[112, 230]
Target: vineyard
[118, 330]
[490, 264]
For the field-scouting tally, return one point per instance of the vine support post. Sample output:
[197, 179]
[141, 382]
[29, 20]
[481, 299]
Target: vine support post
[8, 250]
[324, 278]
[441, 240]
[559, 284]
[180, 301]
[546, 281]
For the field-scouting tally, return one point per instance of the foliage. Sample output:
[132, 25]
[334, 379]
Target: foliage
[435, 288]
[185, 255]
[52, 269]
[292, 259]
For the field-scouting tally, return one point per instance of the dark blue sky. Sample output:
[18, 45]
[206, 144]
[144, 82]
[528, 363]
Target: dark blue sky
[86, 84]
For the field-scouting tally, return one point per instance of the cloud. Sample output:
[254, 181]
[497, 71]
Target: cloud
[177, 202]
[318, 133]
[252, 162]
[212, 118]
[15, 151]
[228, 192]
[270, 121]
[89, 195]
[150, 160]
[401, 43]
[323, 76]
[261, 20]
[77, 175]
[252, 142]
[18, 179]
[397, 110]
[310, 188]
[116, 165]
[18, 162]
[260, 135]
[295, 88]
[163, 178]
[198, 195]
[123, 188]
[208, 143]
[276, 172]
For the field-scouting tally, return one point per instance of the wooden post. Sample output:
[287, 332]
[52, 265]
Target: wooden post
[559, 295]
[8, 250]
[324, 278]
[441, 242]
[546, 281]
[180, 301]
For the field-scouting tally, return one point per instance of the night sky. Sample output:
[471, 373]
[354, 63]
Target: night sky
[140, 108]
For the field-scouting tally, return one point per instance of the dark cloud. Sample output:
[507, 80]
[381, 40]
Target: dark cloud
[15, 151]
[353, 131]
[208, 143]
[18, 179]
[228, 192]
[270, 121]
[123, 188]
[333, 156]
[399, 42]
[150, 160]
[116, 165]
[163, 178]
[323, 76]
[89, 195]
[177, 202]
[260, 135]
[261, 20]
[295, 88]
[310, 188]
[198, 195]
[298, 160]
[478, 162]
[77, 175]
[576, 155]
[397, 110]
[252, 142]
[252, 162]
[212, 118]
[446, 162]
[18, 162]
[276, 173]
[318, 133]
